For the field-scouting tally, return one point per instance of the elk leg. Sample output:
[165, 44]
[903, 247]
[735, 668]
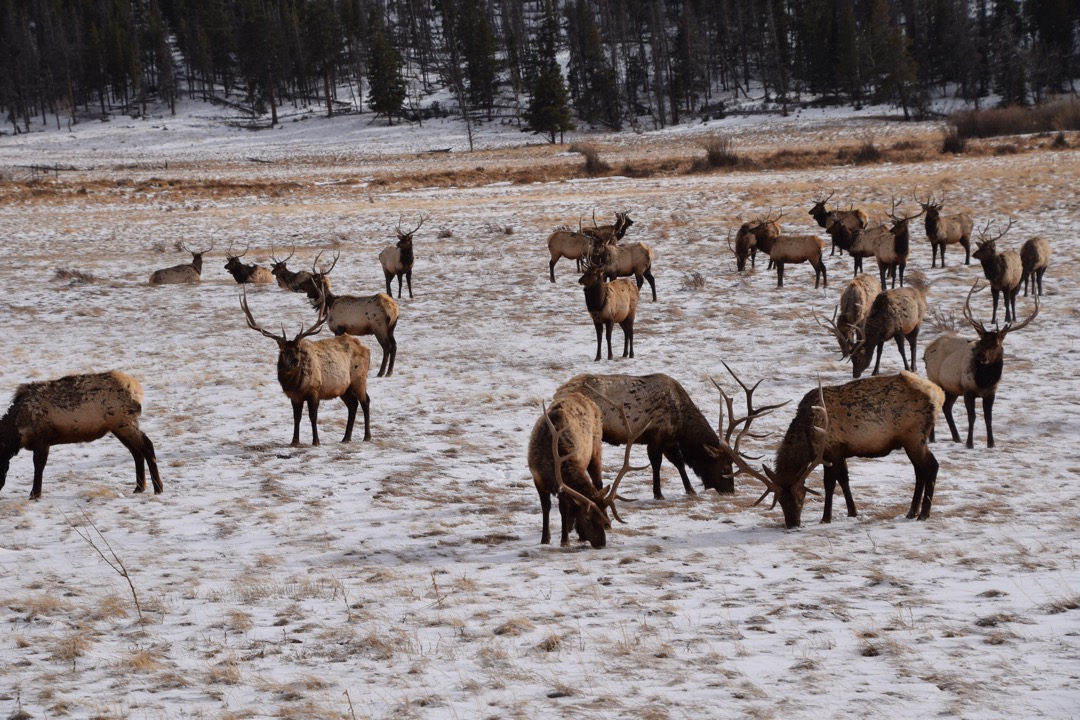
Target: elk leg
[675, 456]
[830, 487]
[652, 282]
[566, 515]
[842, 478]
[628, 338]
[551, 269]
[1038, 277]
[408, 279]
[599, 339]
[392, 345]
[140, 447]
[877, 361]
[41, 456]
[298, 412]
[313, 415]
[545, 507]
[947, 407]
[926, 469]
[656, 457]
[351, 401]
[365, 405]
[988, 411]
[608, 327]
[994, 292]
[824, 276]
[967, 249]
[779, 274]
[389, 278]
[969, 403]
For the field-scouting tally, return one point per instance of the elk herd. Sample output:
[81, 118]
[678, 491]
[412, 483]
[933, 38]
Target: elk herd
[866, 417]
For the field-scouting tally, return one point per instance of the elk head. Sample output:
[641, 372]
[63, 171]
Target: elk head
[279, 265]
[405, 237]
[989, 349]
[291, 353]
[820, 210]
[986, 246]
[930, 206]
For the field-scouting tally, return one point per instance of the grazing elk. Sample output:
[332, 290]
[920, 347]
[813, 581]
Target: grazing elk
[755, 235]
[852, 220]
[246, 274]
[626, 260]
[179, 274]
[895, 314]
[869, 418]
[1034, 259]
[397, 260]
[798, 249]
[677, 428]
[609, 303]
[945, 230]
[287, 279]
[1003, 270]
[75, 409]
[366, 315]
[971, 368]
[311, 371]
[565, 460]
[855, 303]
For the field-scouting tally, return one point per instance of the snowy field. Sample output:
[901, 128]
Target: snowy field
[404, 577]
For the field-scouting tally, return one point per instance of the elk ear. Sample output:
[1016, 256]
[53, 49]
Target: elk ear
[715, 452]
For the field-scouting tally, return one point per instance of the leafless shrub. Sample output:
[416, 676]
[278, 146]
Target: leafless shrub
[720, 151]
[953, 142]
[693, 281]
[867, 153]
[1059, 115]
[444, 234]
[74, 277]
[497, 229]
[1007, 149]
[941, 321]
[1060, 141]
[594, 165]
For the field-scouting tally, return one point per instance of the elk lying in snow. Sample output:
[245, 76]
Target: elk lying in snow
[971, 368]
[75, 409]
[1034, 259]
[179, 274]
[798, 249]
[870, 418]
[243, 273]
[311, 371]
[564, 459]
[753, 236]
[677, 429]
[397, 260]
[289, 280]
[895, 314]
[609, 303]
[945, 230]
[1003, 270]
[852, 220]
[626, 260]
[367, 315]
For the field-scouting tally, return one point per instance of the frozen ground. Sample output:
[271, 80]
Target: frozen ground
[404, 577]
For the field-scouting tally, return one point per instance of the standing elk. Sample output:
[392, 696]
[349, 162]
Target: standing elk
[179, 274]
[609, 303]
[1003, 270]
[971, 368]
[851, 219]
[397, 260]
[868, 418]
[677, 428]
[287, 279]
[568, 244]
[246, 274]
[1034, 259]
[626, 260]
[610, 234]
[889, 246]
[945, 230]
[366, 315]
[76, 409]
[755, 235]
[311, 371]
[798, 249]
[895, 314]
[565, 455]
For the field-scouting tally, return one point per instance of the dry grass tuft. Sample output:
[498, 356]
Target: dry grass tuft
[693, 281]
[593, 164]
[514, 627]
[74, 277]
[953, 142]
[70, 647]
[720, 152]
[551, 643]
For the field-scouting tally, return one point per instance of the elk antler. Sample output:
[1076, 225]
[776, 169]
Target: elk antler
[830, 325]
[254, 325]
[315, 270]
[984, 233]
[402, 234]
[283, 260]
[979, 327]
[609, 497]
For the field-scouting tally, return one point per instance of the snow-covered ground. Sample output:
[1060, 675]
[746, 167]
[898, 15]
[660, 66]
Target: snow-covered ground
[404, 577]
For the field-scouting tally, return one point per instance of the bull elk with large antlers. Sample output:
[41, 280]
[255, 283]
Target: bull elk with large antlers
[610, 234]
[869, 418]
[397, 260]
[565, 454]
[287, 279]
[852, 220]
[943, 230]
[179, 274]
[244, 273]
[312, 371]
[971, 368]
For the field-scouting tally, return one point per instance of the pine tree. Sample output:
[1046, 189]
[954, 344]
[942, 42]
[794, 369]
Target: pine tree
[548, 111]
[386, 87]
[478, 48]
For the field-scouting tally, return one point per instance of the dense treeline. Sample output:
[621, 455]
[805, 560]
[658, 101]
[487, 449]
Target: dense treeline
[539, 62]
